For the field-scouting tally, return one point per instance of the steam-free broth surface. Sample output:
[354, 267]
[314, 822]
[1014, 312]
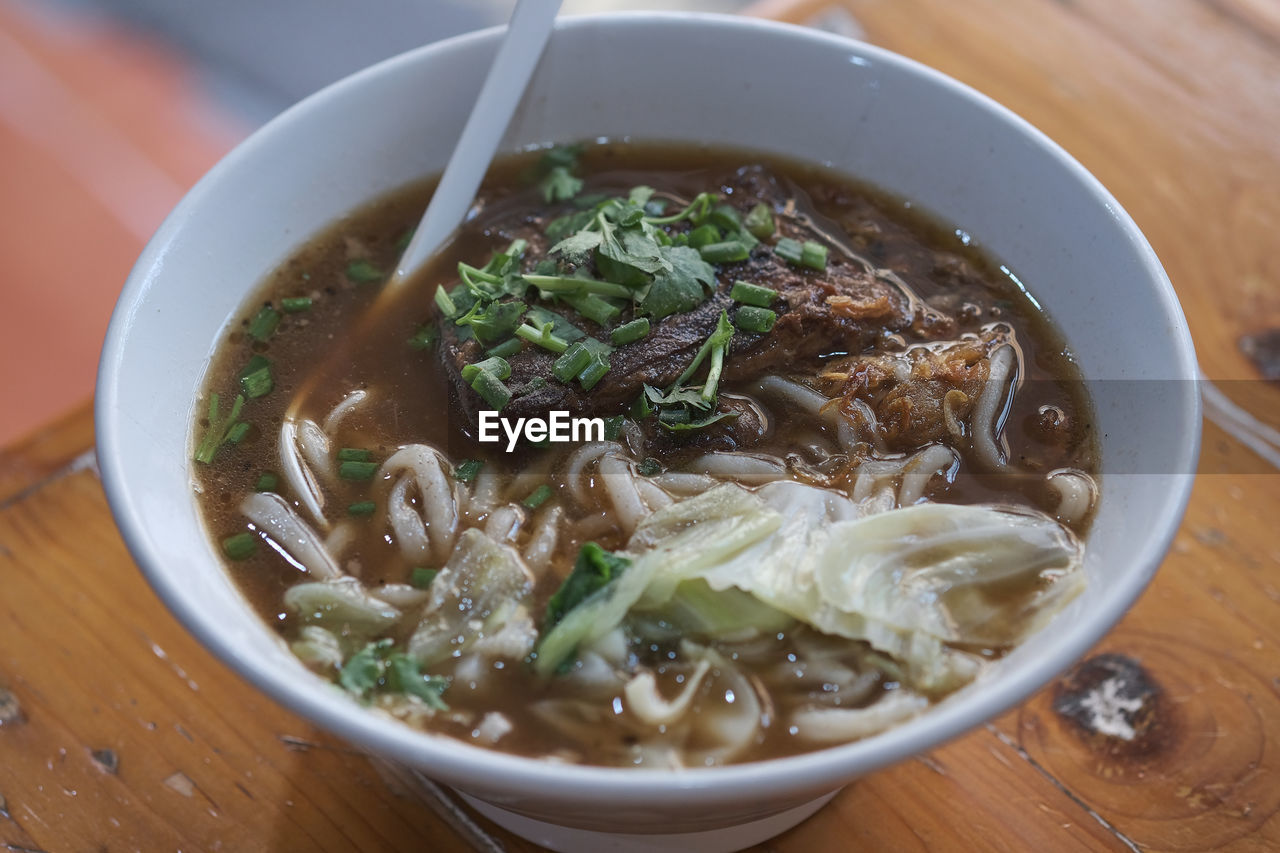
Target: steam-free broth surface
[916, 385]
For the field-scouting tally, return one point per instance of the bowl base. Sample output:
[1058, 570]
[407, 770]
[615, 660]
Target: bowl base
[566, 839]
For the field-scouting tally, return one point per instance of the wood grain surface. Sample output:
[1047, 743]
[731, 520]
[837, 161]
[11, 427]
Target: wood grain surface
[119, 732]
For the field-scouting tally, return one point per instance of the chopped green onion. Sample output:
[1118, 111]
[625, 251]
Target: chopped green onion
[491, 389]
[355, 470]
[267, 483]
[507, 348]
[704, 235]
[674, 415]
[574, 360]
[444, 303]
[753, 319]
[422, 578]
[499, 367]
[759, 222]
[216, 434]
[570, 284]
[354, 454]
[592, 307]
[255, 378]
[649, 466]
[630, 332]
[240, 547]
[363, 272]
[467, 470]
[295, 304]
[809, 254]
[363, 509]
[403, 242]
[613, 427]
[813, 255]
[726, 252]
[752, 294]
[540, 496]
[542, 336]
[236, 434]
[593, 373]
[789, 250]
[264, 324]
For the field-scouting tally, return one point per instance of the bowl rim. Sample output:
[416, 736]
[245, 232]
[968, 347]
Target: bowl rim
[455, 761]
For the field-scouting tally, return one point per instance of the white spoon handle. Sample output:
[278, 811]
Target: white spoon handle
[531, 23]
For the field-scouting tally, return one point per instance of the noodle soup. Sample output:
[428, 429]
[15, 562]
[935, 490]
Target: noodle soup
[843, 460]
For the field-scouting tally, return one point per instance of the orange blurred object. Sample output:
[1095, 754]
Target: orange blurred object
[101, 132]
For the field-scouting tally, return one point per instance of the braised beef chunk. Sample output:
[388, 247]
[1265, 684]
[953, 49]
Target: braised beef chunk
[841, 307]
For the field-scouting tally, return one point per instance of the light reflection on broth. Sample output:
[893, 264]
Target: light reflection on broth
[939, 385]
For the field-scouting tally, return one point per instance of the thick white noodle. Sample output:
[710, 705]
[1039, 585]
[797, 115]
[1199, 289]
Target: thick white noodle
[620, 484]
[339, 538]
[579, 460]
[827, 725]
[348, 404]
[1076, 493]
[653, 496]
[920, 469]
[484, 493]
[543, 540]
[504, 523]
[428, 531]
[289, 534]
[988, 412]
[746, 468]
[314, 445]
[811, 402]
[297, 475]
[645, 702]
[401, 595]
[683, 483]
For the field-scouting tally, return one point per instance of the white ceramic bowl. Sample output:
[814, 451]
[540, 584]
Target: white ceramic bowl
[663, 77]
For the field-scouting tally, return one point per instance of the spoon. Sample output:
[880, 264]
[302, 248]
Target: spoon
[527, 33]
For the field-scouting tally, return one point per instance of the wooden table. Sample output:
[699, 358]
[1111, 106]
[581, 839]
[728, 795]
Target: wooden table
[119, 732]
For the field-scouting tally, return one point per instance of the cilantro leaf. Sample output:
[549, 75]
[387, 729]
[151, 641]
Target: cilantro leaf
[403, 676]
[698, 424]
[559, 185]
[577, 247]
[684, 287]
[493, 322]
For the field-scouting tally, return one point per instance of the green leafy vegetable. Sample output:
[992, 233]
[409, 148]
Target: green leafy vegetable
[425, 337]
[594, 569]
[493, 321]
[759, 221]
[560, 185]
[683, 288]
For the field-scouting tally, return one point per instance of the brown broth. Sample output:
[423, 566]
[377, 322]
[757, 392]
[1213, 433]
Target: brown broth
[411, 402]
